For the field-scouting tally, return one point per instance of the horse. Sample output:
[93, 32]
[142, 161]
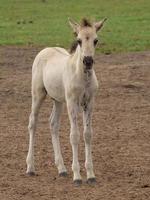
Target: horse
[67, 77]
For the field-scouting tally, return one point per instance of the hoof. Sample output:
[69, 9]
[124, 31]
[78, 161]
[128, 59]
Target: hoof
[91, 181]
[31, 173]
[63, 174]
[77, 182]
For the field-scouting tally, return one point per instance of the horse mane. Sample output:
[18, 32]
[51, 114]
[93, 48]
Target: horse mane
[73, 46]
[85, 23]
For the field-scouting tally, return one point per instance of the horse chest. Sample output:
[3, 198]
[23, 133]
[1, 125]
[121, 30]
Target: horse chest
[85, 97]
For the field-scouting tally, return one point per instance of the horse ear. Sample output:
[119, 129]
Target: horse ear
[98, 25]
[75, 26]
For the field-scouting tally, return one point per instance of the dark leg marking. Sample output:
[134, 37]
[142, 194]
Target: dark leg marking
[31, 173]
[63, 174]
[91, 181]
[77, 182]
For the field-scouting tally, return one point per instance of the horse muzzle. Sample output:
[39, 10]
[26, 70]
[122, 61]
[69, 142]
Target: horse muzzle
[88, 62]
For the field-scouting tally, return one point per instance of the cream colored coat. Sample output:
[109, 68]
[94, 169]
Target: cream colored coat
[63, 77]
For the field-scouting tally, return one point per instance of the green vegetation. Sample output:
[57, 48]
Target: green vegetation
[44, 22]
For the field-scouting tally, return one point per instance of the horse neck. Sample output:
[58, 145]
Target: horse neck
[79, 68]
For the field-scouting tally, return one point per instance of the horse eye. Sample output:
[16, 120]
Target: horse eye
[95, 42]
[79, 42]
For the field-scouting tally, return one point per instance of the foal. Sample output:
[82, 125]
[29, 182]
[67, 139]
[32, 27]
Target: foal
[66, 78]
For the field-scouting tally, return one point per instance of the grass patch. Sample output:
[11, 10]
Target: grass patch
[44, 22]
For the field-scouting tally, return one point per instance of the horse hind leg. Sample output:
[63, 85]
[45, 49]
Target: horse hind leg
[54, 125]
[37, 98]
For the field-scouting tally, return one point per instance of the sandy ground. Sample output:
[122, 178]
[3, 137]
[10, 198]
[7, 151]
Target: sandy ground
[121, 141]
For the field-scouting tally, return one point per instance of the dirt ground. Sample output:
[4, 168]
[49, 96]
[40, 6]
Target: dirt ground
[121, 141]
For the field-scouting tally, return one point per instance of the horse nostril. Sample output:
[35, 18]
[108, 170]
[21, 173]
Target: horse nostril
[84, 62]
[88, 61]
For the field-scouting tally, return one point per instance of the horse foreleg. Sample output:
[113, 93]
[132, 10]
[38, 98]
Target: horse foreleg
[87, 112]
[74, 140]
